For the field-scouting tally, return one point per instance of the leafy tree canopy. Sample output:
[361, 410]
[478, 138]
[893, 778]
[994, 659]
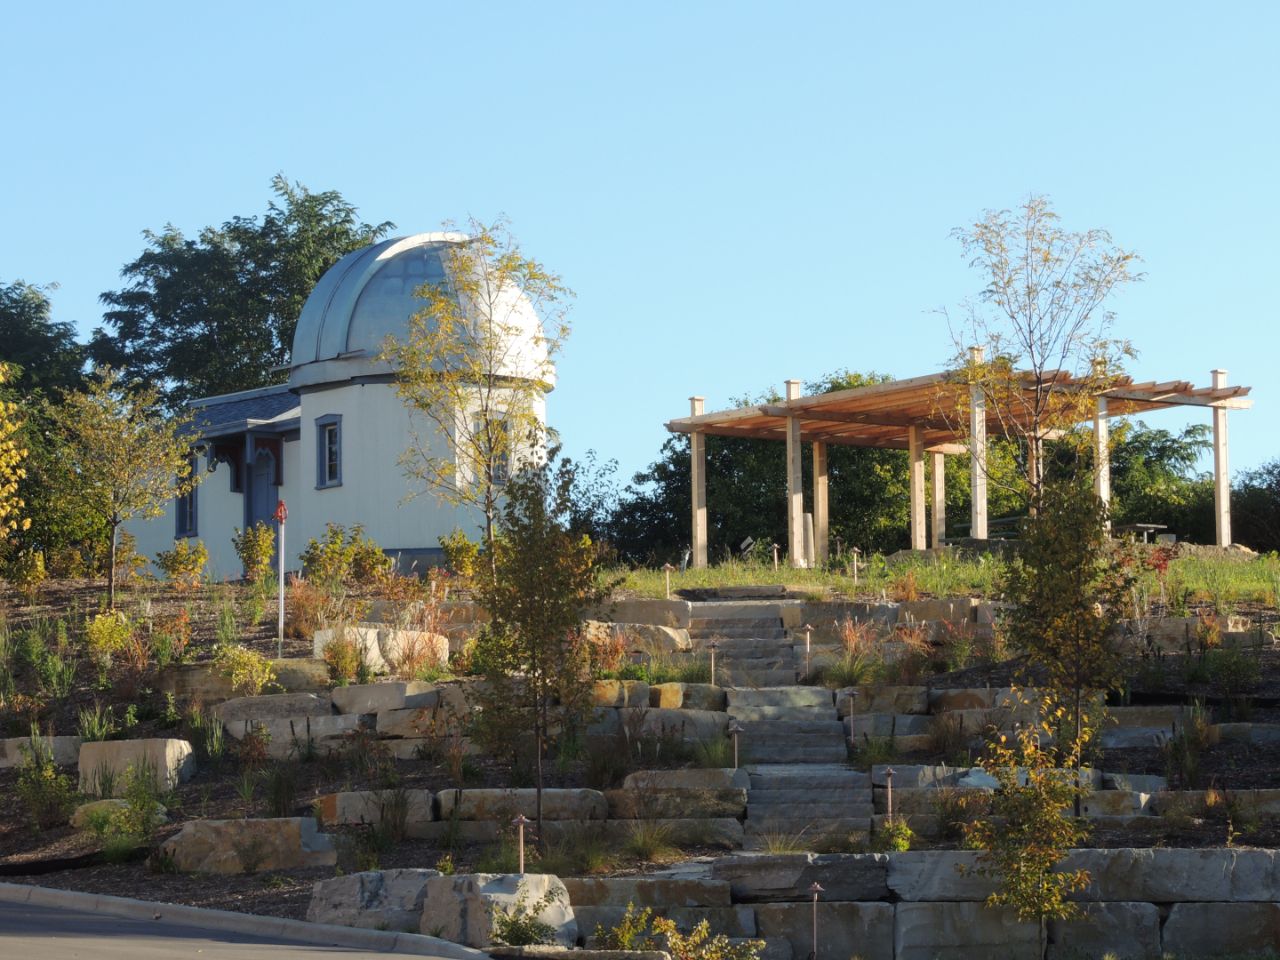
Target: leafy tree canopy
[44, 350]
[216, 313]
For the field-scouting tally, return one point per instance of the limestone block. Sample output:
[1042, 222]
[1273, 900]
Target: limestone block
[1173, 875]
[495, 804]
[274, 706]
[962, 931]
[646, 892]
[1114, 803]
[397, 647]
[921, 824]
[388, 695]
[979, 698]
[86, 813]
[1221, 929]
[918, 800]
[689, 778]
[460, 908]
[1140, 782]
[704, 696]
[888, 725]
[786, 877]
[414, 722]
[374, 900]
[844, 929]
[288, 737]
[1147, 716]
[683, 724]
[913, 775]
[724, 833]
[1128, 930]
[172, 761]
[1125, 738]
[643, 638]
[938, 875]
[65, 750]
[647, 804]
[874, 698]
[373, 806]
[364, 635]
[249, 846]
[960, 610]
[620, 693]
[669, 696]
[1258, 733]
[203, 682]
[735, 922]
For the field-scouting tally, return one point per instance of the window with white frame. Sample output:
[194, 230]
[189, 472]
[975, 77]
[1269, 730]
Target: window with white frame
[329, 451]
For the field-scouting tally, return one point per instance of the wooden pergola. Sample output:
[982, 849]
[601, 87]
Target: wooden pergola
[937, 414]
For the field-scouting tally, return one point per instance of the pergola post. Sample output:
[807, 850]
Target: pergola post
[795, 484]
[1221, 470]
[915, 450]
[939, 517]
[821, 516]
[977, 455]
[1102, 454]
[698, 476]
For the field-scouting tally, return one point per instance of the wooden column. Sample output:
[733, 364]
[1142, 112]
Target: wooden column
[795, 484]
[977, 456]
[821, 516]
[1221, 469]
[698, 476]
[1102, 454]
[915, 451]
[939, 517]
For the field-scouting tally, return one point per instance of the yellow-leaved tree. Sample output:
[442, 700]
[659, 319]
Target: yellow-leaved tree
[476, 363]
[12, 455]
[126, 456]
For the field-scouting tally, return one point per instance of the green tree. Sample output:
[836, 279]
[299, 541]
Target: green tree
[126, 457]
[1042, 312]
[475, 364]
[44, 350]
[1066, 591]
[1028, 831]
[217, 313]
[536, 660]
[1256, 501]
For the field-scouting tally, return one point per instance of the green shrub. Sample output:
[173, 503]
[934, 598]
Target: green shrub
[461, 553]
[184, 564]
[256, 549]
[46, 794]
[96, 722]
[249, 671]
[344, 558]
[105, 635]
[895, 837]
[521, 925]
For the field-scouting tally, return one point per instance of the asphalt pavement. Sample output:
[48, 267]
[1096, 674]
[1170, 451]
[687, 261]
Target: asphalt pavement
[29, 932]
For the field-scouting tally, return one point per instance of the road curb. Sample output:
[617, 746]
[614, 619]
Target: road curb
[321, 934]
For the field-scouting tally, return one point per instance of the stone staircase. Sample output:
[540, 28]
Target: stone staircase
[793, 747]
[753, 649]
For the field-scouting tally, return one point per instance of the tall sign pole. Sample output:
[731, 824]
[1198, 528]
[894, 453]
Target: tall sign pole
[282, 514]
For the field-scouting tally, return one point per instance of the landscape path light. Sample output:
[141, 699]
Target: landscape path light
[808, 637]
[666, 569]
[713, 645]
[735, 728]
[281, 515]
[888, 800]
[815, 888]
[519, 823]
[775, 556]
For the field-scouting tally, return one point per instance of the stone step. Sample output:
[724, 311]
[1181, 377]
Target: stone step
[773, 634]
[825, 793]
[794, 724]
[808, 811]
[805, 829]
[789, 753]
[806, 777]
[749, 646]
[757, 660]
[750, 678]
[713, 623]
[769, 715]
[782, 697]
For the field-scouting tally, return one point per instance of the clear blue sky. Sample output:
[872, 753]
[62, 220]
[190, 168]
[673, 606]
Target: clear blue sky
[739, 192]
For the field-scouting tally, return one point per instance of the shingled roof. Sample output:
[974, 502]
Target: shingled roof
[268, 408]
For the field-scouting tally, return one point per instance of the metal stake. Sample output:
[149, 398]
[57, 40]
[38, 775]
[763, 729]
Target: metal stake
[282, 514]
[667, 568]
[713, 645]
[888, 805]
[808, 631]
[815, 889]
[735, 728]
[519, 823]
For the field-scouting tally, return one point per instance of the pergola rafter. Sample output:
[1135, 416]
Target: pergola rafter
[935, 414]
